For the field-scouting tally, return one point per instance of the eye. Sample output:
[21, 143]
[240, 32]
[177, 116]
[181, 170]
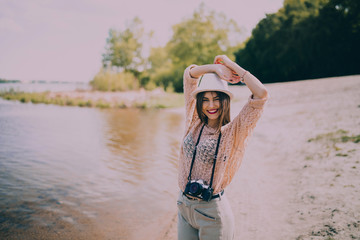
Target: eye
[217, 99]
[205, 100]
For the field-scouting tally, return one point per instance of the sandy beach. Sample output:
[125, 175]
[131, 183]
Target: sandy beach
[300, 175]
[299, 179]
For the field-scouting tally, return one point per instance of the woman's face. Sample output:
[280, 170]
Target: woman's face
[211, 105]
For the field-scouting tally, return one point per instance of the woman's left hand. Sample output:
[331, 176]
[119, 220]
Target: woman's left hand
[225, 73]
[256, 87]
[223, 60]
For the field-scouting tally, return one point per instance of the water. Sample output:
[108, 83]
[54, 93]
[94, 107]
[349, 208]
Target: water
[85, 173]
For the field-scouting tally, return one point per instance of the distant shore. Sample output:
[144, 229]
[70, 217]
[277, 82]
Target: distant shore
[9, 81]
[130, 99]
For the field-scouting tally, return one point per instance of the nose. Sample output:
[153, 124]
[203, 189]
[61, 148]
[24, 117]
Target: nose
[211, 104]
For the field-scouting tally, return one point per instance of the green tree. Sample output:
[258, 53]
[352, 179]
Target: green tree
[305, 39]
[123, 62]
[197, 40]
[160, 70]
[124, 48]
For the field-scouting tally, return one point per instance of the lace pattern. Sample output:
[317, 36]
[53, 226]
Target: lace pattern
[205, 151]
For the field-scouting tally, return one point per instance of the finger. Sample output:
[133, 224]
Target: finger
[237, 80]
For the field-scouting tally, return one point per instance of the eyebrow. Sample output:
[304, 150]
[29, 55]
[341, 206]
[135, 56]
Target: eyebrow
[205, 98]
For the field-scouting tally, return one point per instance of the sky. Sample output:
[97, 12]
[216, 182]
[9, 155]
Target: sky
[63, 40]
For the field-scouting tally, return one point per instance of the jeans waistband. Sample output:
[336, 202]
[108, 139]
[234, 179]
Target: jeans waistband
[200, 199]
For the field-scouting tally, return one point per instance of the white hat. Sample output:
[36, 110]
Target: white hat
[211, 82]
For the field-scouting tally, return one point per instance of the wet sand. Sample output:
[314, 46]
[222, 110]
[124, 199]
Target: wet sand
[299, 180]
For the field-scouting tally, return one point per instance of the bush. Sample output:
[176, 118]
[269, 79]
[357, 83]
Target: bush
[107, 80]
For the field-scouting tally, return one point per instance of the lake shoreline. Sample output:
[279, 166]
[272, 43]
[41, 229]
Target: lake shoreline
[88, 98]
[298, 179]
[142, 99]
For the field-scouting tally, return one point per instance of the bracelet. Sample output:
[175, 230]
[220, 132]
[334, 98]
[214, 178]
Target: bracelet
[242, 77]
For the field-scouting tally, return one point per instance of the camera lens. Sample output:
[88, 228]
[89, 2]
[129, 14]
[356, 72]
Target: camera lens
[195, 188]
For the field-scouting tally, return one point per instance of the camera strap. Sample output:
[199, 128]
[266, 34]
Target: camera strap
[215, 156]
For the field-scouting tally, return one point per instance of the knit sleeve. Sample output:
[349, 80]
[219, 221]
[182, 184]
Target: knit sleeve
[236, 134]
[190, 85]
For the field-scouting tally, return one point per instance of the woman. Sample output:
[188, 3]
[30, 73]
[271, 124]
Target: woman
[213, 146]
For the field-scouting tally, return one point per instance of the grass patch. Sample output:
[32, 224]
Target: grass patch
[87, 103]
[332, 139]
[167, 100]
[336, 137]
[341, 155]
[70, 102]
[332, 136]
[101, 104]
[120, 105]
[141, 105]
[355, 139]
[25, 97]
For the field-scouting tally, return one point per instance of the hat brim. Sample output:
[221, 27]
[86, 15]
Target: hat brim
[195, 93]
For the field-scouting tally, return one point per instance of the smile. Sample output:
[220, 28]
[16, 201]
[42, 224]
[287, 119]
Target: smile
[212, 111]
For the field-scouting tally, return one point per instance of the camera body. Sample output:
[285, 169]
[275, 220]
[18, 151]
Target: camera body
[198, 189]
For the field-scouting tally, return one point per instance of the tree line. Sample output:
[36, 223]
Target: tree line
[304, 39]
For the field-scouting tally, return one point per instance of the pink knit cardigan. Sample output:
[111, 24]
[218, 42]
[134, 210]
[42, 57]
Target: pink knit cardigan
[232, 144]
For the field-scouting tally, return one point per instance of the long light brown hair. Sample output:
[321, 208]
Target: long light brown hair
[224, 117]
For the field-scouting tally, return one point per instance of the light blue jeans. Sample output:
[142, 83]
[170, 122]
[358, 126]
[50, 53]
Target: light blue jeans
[205, 220]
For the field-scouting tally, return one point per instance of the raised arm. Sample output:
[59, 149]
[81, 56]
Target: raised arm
[256, 87]
[224, 72]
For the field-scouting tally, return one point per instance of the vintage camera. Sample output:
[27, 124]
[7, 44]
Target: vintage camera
[197, 188]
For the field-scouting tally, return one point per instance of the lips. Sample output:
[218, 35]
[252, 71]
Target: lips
[212, 111]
